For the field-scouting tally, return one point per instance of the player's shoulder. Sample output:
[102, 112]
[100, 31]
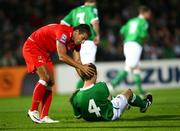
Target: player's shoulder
[101, 83]
[57, 25]
[143, 20]
[102, 86]
[87, 7]
[66, 28]
[134, 19]
[49, 27]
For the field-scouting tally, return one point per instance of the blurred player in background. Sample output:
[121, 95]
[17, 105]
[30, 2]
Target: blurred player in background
[36, 51]
[134, 33]
[93, 102]
[86, 14]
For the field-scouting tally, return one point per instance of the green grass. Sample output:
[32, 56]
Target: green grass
[164, 114]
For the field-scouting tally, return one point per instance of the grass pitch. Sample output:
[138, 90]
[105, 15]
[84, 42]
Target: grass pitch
[164, 114]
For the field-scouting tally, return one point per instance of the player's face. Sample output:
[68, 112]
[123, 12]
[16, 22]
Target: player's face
[80, 38]
[148, 15]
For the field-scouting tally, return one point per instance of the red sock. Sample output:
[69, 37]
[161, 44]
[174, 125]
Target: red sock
[38, 94]
[46, 102]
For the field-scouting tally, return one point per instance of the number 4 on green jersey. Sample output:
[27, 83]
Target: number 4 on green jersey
[92, 108]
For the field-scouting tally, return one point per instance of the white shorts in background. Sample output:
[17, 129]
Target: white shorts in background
[88, 52]
[119, 104]
[132, 53]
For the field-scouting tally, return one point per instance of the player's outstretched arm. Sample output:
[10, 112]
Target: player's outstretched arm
[76, 57]
[62, 53]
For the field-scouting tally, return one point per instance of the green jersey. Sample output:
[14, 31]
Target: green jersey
[85, 14]
[92, 103]
[136, 29]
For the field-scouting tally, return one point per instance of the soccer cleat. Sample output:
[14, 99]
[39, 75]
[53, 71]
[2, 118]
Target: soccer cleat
[47, 119]
[149, 100]
[34, 115]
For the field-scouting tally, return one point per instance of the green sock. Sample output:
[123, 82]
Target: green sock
[138, 82]
[137, 101]
[79, 84]
[119, 77]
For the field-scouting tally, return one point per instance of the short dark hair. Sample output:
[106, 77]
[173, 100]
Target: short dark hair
[83, 28]
[143, 9]
[85, 77]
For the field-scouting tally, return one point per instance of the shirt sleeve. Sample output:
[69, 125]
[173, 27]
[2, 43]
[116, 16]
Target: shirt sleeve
[93, 15]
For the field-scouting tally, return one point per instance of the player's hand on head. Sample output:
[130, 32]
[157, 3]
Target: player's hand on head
[89, 71]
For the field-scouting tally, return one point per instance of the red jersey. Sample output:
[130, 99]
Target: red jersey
[46, 36]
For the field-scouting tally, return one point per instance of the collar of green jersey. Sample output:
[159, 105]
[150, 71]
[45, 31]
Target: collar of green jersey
[86, 88]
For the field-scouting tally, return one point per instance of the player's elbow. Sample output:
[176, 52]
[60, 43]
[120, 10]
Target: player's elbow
[62, 58]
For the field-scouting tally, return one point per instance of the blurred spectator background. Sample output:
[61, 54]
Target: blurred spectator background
[18, 19]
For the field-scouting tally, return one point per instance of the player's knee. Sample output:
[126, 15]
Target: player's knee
[45, 78]
[130, 67]
[48, 79]
[128, 93]
[50, 83]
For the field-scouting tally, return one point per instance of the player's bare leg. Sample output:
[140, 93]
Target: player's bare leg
[135, 100]
[38, 95]
[46, 73]
[42, 94]
[128, 94]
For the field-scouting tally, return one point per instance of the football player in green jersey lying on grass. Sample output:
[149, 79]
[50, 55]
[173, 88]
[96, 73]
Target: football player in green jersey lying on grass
[93, 103]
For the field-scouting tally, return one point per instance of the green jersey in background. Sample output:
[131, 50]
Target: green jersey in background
[85, 14]
[92, 103]
[136, 29]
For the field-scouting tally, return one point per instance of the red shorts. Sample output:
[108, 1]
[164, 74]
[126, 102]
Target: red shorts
[35, 56]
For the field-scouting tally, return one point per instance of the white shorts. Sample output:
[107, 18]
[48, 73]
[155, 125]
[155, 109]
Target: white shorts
[88, 52]
[132, 53]
[119, 104]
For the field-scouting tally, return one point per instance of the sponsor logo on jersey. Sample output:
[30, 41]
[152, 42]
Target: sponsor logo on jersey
[63, 38]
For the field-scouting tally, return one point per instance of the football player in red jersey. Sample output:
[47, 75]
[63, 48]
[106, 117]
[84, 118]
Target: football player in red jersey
[36, 51]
